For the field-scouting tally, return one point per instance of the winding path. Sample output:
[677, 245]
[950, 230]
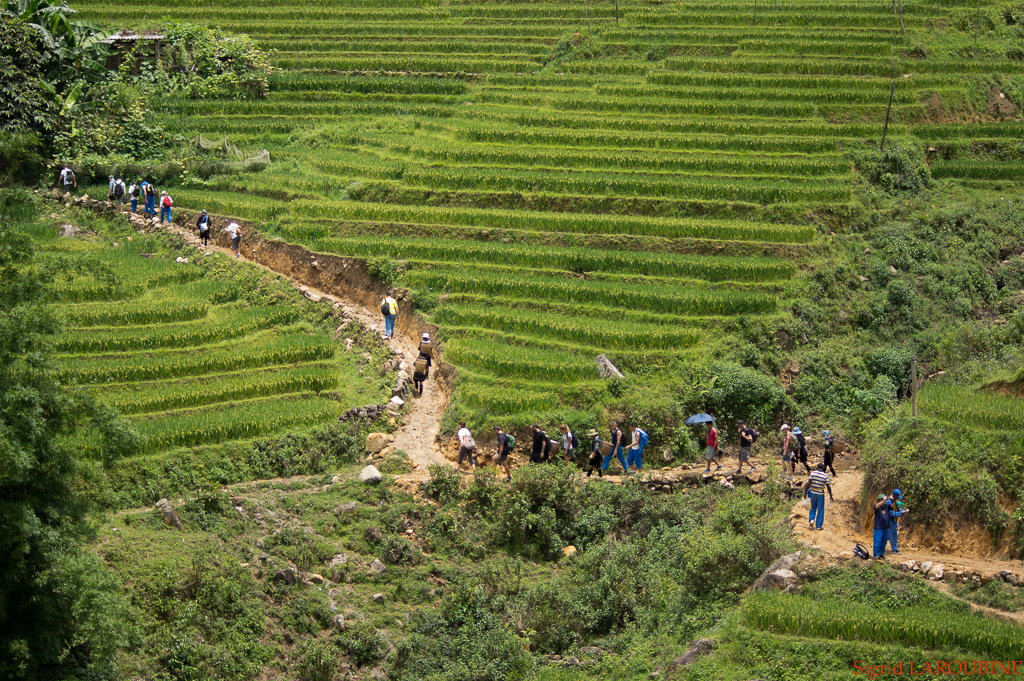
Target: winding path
[422, 423]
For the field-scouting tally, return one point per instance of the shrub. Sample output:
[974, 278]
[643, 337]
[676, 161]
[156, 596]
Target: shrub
[445, 483]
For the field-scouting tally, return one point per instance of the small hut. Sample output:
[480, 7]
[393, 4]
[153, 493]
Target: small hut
[123, 42]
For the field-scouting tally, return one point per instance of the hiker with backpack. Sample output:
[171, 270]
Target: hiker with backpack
[829, 455]
[466, 445]
[67, 180]
[203, 225]
[389, 308]
[165, 207]
[788, 451]
[569, 443]
[817, 483]
[421, 367]
[541, 450]
[594, 461]
[618, 442]
[133, 196]
[801, 450]
[506, 441]
[119, 191]
[426, 348]
[896, 510]
[748, 436]
[711, 450]
[111, 184]
[636, 449]
[149, 192]
[235, 232]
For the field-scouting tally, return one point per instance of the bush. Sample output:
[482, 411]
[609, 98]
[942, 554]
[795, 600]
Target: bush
[363, 644]
[445, 483]
[741, 393]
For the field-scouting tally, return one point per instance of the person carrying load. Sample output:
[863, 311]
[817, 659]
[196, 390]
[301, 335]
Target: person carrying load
[421, 367]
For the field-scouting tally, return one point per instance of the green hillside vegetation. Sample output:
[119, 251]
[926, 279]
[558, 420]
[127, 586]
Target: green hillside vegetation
[616, 136]
[699, 191]
[201, 358]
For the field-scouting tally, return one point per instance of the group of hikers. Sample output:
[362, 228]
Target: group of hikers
[118, 192]
[889, 509]
[545, 449]
[204, 224]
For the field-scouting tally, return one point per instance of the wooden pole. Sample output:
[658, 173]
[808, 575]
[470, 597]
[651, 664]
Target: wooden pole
[885, 129]
[590, 29]
[913, 387]
[899, 3]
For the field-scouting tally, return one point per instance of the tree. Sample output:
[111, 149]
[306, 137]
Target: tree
[70, 49]
[60, 612]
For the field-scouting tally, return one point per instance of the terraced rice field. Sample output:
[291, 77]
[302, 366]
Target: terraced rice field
[568, 179]
[186, 360]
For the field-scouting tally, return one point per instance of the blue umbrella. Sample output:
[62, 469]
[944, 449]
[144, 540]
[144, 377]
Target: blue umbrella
[699, 418]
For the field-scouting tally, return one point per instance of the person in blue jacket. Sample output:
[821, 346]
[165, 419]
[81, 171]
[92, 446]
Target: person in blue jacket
[882, 522]
[895, 507]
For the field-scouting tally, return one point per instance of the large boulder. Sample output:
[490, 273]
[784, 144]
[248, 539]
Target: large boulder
[370, 474]
[779, 575]
[170, 517]
[377, 568]
[376, 442]
[287, 576]
[694, 652]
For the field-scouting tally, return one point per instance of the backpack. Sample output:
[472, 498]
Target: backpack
[119, 190]
[150, 190]
[385, 309]
[510, 441]
[572, 439]
[134, 191]
[643, 437]
[167, 202]
[420, 366]
[861, 552]
[470, 443]
[754, 435]
[69, 178]
[426, 349]
[800, 439]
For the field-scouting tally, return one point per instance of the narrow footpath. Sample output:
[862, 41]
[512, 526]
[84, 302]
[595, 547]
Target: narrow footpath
[421, 424]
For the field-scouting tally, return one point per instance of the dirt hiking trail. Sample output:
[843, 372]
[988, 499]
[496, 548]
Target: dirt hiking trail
[843, 529]
[421, 424]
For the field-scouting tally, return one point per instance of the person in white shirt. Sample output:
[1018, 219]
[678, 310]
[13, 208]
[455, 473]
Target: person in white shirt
[568, 444]
[466, 445]
[235, 232]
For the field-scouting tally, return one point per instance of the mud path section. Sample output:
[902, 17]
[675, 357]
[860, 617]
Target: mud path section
[345, 281]
[843, 529]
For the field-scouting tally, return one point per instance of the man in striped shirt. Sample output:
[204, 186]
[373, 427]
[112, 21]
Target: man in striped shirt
[817, 483]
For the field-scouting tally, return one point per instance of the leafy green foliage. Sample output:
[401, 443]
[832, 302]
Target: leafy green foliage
[62, 612]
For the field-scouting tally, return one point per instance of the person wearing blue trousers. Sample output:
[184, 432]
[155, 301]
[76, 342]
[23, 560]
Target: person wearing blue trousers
[618, 440]
[894, 514]
[817, 483]
[881, 527]
[636, 449]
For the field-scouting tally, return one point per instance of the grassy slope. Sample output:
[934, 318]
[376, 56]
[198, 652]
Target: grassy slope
[257, 364]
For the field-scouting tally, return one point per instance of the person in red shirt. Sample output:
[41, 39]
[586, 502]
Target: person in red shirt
[712, 449]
